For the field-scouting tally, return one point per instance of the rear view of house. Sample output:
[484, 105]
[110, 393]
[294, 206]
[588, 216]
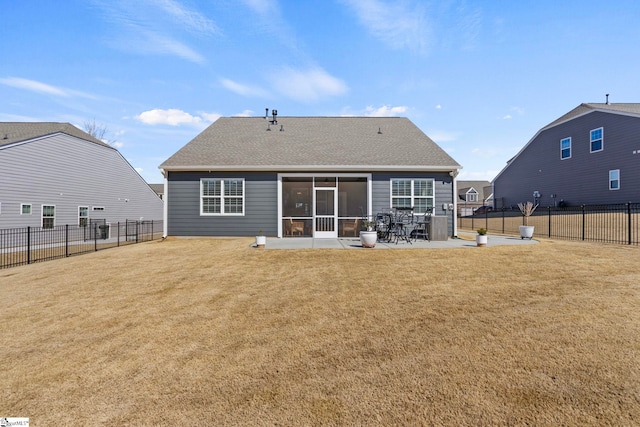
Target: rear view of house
[304, 176]
[55, 174]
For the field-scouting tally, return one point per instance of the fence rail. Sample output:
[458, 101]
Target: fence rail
[619, 223]
[20, 246]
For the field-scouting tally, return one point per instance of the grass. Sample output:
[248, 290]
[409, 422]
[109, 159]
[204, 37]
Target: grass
[214, 332]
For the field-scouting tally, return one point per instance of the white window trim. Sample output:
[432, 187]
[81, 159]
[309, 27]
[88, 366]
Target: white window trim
[601, 140]
[42, 217]
[570, 148]
[471, 196]
[610, 180]
[222, 197]
[22, 205]
[412, 196]
[85, 217]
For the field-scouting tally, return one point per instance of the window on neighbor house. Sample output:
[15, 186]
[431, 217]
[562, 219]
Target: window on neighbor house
[565, 148]
[222, 196]
[83, 216]
[596, 140]
[48, 216]
[614, 179]
[415, 193]
[472, 196]
[25, 209]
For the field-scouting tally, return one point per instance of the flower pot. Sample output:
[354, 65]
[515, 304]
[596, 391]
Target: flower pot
[368, 239]
[526, 231]
[261, 241]
[481, 240]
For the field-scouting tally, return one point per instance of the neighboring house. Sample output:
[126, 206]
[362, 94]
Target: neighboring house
[55, 174]
[159, 189]
[591, 155]
[304, 176]
[472, 195]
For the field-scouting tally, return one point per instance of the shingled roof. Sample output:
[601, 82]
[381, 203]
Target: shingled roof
[311, 143]
[584, 108]
[13, 132]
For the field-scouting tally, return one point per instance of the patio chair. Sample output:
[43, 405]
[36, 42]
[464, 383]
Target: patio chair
[350, 227]
[292, 227]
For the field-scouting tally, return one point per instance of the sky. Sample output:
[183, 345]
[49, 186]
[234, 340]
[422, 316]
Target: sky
[480, 78]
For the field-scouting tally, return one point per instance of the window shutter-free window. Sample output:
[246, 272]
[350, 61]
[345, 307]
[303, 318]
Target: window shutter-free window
[222, 196]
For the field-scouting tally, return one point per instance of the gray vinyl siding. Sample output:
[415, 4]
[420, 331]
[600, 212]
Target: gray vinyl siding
[261, 206]
[261, 198]
[583, 178]
[443, 187]
[68, 172]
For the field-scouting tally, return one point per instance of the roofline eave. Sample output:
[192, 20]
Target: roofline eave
[314, 168]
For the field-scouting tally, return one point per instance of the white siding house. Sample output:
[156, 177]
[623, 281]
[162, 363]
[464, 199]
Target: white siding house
[55, 174]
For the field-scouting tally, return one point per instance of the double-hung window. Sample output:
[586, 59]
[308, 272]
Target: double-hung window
[412, 193]
[220, 196]
[596, 138]
[565, 148]
[614, 179]
[48, 216]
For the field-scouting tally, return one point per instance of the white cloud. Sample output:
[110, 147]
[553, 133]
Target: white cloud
[400, 25]
[261, 7]
[139, 170]
[175, 117]
[241, 89]
[172, 117]
[191, 19]
[385, 111]
[438, 107]
[117, 144]
[40, 87]
[507, 117]
[486, 175]
[308, 85]
[245, 113]
[154, 27]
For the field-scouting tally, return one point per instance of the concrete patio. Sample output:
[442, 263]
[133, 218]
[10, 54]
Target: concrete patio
[465, 240]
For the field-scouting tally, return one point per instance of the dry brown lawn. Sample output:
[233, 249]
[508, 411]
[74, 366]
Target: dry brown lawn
[214, 332]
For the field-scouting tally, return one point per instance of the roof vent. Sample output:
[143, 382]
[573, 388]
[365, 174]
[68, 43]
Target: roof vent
[5, 136]
[607, 101]
[379, 131]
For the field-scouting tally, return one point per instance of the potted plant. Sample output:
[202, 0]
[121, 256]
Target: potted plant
[526, 230]
[481, 238]
[369, 236]
[261, 240]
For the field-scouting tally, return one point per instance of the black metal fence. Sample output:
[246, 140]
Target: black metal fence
[20, 246]
[617, 223]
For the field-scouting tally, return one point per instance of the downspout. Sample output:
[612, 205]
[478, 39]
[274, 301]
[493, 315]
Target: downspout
[454, 174]
[165, 207]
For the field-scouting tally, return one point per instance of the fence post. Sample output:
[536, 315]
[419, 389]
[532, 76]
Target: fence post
[502, 220]
[583, 221]
[95, 236]
[629, 221]
[549, 210]
[118, 233]
[137, 230]
[29, 245]
[66, 240]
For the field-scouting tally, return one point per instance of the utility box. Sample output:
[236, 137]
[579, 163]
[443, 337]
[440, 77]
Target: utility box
[439, 228]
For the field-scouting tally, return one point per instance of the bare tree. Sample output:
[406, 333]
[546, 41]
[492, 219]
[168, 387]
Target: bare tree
[95, 130]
